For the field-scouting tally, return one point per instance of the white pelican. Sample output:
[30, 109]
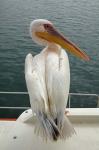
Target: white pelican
[48, 80]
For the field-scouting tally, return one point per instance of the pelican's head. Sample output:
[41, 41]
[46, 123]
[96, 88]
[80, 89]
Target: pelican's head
[43, 32]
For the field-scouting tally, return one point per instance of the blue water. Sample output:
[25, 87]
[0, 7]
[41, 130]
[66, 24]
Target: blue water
[78, 20]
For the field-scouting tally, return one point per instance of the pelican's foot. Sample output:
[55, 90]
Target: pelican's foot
[67, 112]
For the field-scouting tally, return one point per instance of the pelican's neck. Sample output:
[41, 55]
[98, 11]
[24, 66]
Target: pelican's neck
[52, 47]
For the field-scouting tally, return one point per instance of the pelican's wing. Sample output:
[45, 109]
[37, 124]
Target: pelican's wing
[58, 81]
[33, 83]
[35, 80]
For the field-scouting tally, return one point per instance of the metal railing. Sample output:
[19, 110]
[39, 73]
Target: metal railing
[26, 93]
[83, 94]
[13, 93]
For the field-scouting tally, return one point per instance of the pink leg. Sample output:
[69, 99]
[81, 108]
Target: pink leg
[67, 112]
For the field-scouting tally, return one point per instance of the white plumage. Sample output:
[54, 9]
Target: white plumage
[48, 81]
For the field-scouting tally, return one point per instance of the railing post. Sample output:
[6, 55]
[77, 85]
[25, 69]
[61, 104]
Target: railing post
[69, 100]
[98, 102]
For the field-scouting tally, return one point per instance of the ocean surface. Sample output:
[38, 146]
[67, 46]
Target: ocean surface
[77, 19]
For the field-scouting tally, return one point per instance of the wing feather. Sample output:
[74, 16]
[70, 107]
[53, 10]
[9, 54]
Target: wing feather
[58, 81]
[34, 85]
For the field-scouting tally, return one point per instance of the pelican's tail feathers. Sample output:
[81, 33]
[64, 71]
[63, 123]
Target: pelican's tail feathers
[67, 129]
[46, 127]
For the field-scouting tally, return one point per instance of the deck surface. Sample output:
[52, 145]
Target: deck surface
[20, 136]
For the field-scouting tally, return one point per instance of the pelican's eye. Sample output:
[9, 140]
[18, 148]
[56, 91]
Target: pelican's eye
[47, 26]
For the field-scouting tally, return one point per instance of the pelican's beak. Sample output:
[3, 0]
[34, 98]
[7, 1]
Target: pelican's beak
[52, 35]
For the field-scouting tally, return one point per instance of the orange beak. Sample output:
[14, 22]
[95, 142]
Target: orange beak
[52, 35]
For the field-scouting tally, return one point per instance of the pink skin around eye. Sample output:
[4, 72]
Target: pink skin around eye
[47, 26]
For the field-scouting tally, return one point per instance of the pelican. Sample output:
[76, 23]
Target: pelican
[48, 80]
